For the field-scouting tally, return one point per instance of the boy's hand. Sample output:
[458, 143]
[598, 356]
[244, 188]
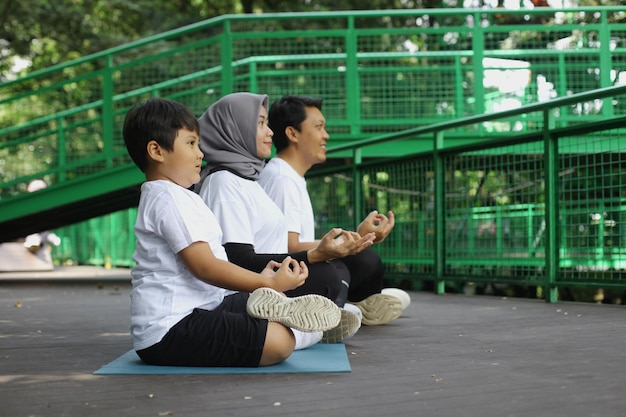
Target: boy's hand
[379, 224]
[289, 275]
[270, 269]
[338, 243]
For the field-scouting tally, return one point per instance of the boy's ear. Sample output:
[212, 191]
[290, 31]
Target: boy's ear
[154, 151]
[291, 133]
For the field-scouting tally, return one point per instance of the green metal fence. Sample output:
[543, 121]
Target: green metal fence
[378, 72]
[544, 210]
[528, 197]
[531, 209]
[107, 241]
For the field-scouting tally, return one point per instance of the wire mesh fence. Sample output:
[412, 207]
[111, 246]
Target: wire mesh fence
[378, 73]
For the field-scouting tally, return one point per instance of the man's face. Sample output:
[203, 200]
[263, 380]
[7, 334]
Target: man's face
[313, 137]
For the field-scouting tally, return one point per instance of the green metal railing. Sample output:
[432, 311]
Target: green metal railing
[378, 72]
[543, 209]
[529, 196]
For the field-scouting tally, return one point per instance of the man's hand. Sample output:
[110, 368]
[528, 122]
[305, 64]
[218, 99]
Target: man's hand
[378, 224]
[287, 275]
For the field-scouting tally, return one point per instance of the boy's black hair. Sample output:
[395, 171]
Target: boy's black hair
[157, 119]
[289, 110]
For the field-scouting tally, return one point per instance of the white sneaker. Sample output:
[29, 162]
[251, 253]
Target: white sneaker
[379, 309]
[307, 313]
[32, 241]
[306, 339]
[348, 326]
[401, 295]
[53, 239]
[353, 309]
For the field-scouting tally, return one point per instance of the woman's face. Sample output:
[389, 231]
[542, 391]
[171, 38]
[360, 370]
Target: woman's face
[263, 135]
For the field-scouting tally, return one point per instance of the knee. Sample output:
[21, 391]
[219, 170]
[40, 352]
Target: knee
[377, 265]
[372, 264]
[279, 344]
[367, 262]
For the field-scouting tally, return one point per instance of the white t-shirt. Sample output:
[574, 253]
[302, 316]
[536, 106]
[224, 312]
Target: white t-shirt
[288, 190]
[245, 213]
[169, 219]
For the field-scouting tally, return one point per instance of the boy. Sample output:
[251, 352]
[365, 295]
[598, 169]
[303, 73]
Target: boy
[186, 308]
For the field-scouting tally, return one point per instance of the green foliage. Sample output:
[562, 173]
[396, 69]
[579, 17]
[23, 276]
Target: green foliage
[46, 33]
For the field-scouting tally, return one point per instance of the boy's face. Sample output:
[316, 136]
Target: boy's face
[263, 135]
[182, 165]
[313, 137]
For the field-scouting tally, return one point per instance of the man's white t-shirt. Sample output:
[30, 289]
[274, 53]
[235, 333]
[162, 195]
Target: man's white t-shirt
[245, 213]
[169, 219]
[288, 190]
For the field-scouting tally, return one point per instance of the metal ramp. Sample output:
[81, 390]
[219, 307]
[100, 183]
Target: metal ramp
[14, 257]
[70, 202]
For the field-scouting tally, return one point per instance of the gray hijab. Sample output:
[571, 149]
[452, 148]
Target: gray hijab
[228, 135]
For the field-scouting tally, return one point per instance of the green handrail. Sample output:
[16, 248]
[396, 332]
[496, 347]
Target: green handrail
[405, 117]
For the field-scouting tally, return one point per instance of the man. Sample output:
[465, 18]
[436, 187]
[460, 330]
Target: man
[300, 138]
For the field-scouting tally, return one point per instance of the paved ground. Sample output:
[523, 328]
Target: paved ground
[68, 274]
[447, 356]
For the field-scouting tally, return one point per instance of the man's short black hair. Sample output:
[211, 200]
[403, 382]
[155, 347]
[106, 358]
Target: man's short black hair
[289, 110]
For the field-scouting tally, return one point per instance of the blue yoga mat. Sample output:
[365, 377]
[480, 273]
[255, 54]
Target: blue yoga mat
[316, 359]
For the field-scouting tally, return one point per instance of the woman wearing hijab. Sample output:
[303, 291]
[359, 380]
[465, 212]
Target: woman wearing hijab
[236, 140]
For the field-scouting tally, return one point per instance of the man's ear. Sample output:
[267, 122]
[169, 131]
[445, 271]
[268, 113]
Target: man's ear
[291, 133]
[154, 151]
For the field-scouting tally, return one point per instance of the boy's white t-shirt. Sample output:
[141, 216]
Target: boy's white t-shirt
[169, 219]
[288, 190]
[245, 213]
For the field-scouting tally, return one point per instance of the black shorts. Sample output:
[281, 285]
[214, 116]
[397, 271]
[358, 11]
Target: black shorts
[226, 336]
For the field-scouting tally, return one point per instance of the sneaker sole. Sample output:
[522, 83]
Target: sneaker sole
[348, 326]
[307, 313]
[379, 309]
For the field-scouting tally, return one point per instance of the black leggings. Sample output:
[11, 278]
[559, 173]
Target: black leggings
[330, 279]
[366, 274]
[363, 273]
